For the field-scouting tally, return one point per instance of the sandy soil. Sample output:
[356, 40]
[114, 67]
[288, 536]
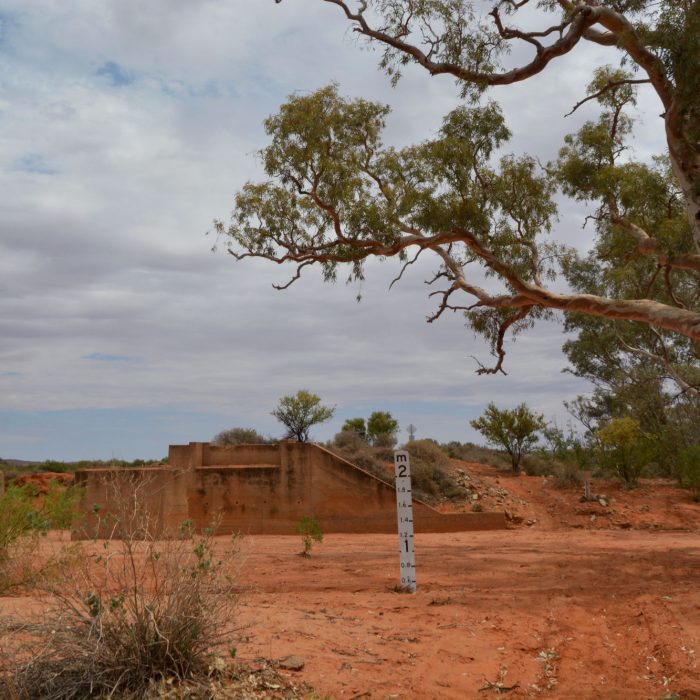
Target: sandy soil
[566, 607]
[552, 614]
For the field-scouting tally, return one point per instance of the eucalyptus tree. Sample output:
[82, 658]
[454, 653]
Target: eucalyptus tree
[336, 195]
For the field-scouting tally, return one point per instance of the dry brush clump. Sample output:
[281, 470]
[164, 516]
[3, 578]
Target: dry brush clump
[430, 474]
[135, 613]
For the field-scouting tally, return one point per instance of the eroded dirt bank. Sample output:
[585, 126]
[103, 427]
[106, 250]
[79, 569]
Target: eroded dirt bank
[566, 614]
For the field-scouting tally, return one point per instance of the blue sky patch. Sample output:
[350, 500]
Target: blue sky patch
[117, 75]
[106, 357]
[35, 163]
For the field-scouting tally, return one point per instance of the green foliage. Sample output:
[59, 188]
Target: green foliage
[298, 413]
[382, 429]
[624, 449]
[515, 430]
[23, 513]
[239, 436]
[688, 470]
[336, 195]
[24, 517]
[356, 425]
[60, 505]
[18, 516]
[310, 531]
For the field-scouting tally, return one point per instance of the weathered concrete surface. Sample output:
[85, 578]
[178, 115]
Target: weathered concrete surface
[254, 489]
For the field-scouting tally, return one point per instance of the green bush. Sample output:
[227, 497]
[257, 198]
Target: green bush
[310, 531]
[624, 449]
[688, 470]
[239, 436]
[22, 520]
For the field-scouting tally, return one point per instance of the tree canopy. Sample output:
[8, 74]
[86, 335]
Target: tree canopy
[515, 430]
[299, 412]
[336, 195]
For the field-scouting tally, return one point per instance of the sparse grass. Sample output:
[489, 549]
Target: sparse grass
[140, 613]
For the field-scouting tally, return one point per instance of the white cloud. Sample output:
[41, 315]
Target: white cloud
[109, 186]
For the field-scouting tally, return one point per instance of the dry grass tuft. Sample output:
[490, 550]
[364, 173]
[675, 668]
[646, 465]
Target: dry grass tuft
[140, 613]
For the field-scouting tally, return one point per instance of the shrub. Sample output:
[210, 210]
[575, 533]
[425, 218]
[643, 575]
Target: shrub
[469, 452]
[385, 441]
[349, 440]
[429, 476]
[22, 520]
[624, 449]
[427, 452]
[142, 612]
[310, 530]
[238, 436]
[688, 470]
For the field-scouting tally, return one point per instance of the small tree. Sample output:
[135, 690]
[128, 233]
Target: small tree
[356, 425]
[514, 430]
[310, 530]
[238, 436]
[624, 448]
[382, 429]
[298, 413]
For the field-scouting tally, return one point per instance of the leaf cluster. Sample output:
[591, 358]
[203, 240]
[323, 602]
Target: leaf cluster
[301, 411]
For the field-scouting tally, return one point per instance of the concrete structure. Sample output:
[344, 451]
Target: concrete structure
[256, 489]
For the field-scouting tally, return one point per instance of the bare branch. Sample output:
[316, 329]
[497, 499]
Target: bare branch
[296, 276]
[498, 348]
[612, 84]
[582, 18]
[664, 361]
[403, 268]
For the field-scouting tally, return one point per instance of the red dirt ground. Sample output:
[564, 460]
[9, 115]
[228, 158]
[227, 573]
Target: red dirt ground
[569, 606]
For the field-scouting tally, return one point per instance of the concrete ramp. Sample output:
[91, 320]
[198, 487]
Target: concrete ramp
[254, 489]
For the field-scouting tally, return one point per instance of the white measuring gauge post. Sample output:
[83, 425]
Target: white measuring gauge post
[404, 511]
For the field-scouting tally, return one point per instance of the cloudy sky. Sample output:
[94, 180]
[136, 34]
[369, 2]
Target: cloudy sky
[126, 127]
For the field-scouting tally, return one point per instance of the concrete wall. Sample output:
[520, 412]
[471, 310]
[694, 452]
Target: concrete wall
[258, 489]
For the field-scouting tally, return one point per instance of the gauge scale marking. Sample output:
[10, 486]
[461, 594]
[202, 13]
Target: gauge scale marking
[404, 512]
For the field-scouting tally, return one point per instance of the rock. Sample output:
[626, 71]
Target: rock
[475, 497]
[602, 501]
[531, 522]
[593, 518]
[291, 663]
[644, 509]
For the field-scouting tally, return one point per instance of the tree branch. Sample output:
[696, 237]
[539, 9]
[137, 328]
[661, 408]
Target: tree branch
[612, 84]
